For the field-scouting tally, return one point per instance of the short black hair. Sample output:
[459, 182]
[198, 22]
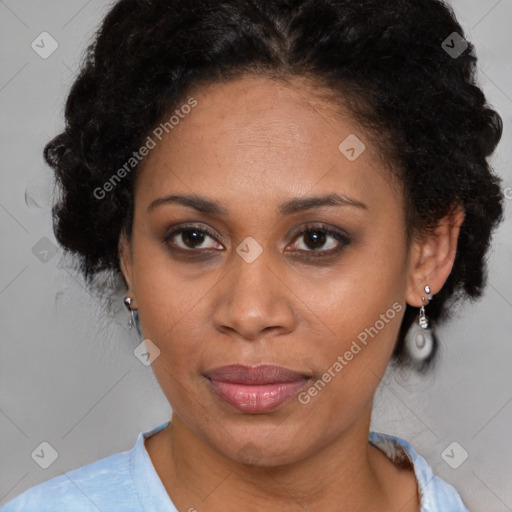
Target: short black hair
[403, 67]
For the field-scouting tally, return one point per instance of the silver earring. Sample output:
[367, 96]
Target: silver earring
[422, 318]
[134, 316]
[420, 339]
[419, 343]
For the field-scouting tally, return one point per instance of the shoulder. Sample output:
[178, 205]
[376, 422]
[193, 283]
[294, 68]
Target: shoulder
[436, 495]
[102, 485]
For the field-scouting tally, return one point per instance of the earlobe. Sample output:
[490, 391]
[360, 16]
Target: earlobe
[433, 256]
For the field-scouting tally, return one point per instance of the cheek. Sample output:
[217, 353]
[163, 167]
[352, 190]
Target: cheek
[362, 290]
[363, 309]
[173, 311]
[352, 361]
[173, 316]
[364, 330]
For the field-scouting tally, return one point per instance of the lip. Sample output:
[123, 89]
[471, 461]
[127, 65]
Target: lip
[256, 389]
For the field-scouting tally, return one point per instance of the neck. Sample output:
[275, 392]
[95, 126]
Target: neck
[346, 474]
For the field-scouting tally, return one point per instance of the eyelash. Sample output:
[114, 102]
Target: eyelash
[309, 254]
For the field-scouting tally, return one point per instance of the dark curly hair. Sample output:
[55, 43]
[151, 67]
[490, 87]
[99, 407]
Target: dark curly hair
[387, 60]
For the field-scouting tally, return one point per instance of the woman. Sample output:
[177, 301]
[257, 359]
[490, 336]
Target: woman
[291, 191]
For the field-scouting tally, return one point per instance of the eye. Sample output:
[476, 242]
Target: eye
[320, 239]
[191, 238]
[315, 239]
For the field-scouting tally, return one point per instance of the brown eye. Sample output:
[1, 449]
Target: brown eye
[314, 239]
[191, 239]
[325, 242]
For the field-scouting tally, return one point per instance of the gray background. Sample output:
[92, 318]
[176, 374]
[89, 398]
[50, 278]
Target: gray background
[68, 374]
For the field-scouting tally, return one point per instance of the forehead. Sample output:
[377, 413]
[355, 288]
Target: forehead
[257, 136]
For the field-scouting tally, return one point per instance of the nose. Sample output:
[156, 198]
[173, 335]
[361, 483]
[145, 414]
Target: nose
[253, 300]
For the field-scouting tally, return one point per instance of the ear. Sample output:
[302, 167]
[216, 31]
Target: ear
[431, 258]
[126, 263]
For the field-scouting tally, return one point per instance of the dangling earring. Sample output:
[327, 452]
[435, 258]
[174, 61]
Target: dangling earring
[420, 339]
[134, 316]
[422, 318]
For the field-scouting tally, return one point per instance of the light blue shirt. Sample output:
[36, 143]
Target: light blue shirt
[127, 482]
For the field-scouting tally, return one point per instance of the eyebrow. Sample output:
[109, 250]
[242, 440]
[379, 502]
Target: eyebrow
[296, 205]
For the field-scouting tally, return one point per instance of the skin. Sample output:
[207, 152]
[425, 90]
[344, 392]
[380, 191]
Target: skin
[251, 144]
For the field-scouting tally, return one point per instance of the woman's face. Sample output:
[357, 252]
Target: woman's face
[241, 285]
